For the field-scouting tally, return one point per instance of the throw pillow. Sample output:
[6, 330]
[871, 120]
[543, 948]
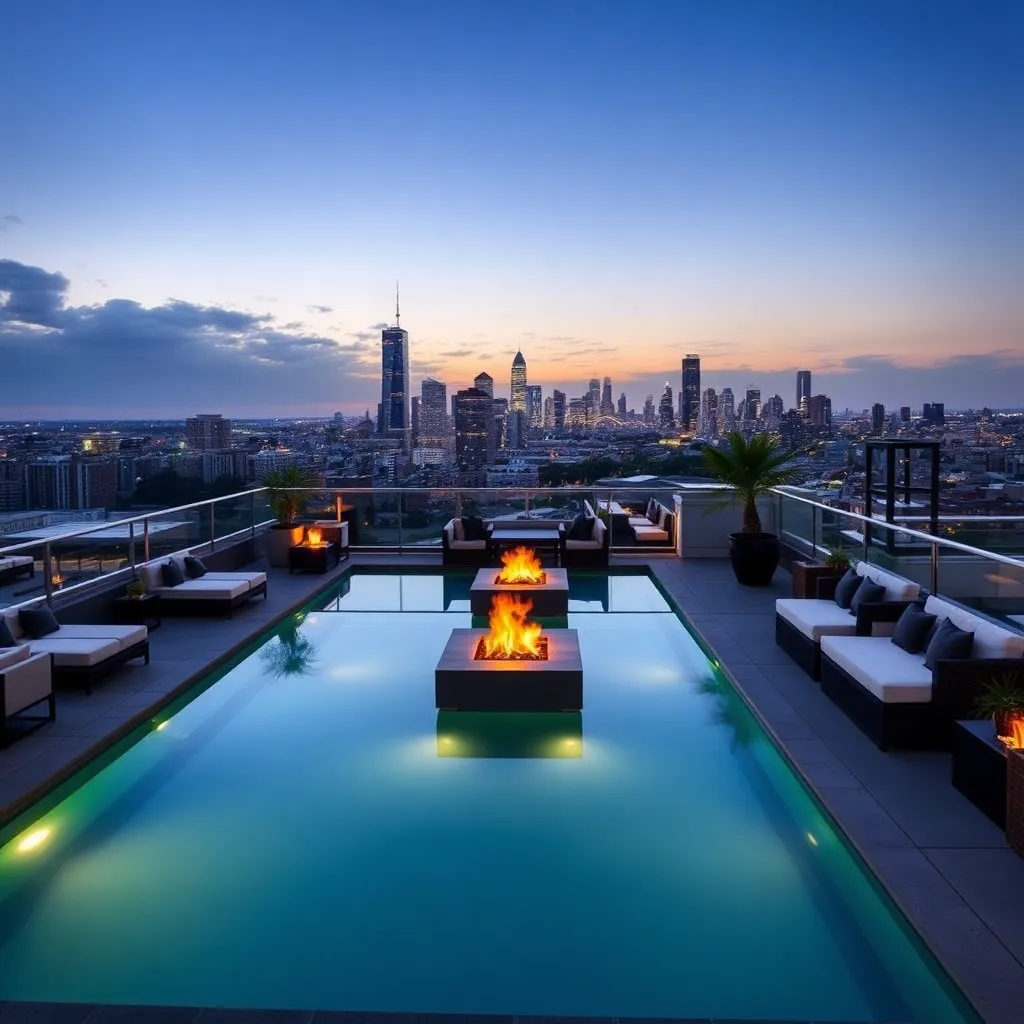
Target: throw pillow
[580, 528]
[912, 629]
[948, 642]
[38, 622]
[473, 528]
[171, 574]
[867, 593]
[6, 636]
[847, 587]
[194, 567]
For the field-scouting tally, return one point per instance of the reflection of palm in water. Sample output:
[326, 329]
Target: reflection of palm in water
[289, 653]
[730, 710]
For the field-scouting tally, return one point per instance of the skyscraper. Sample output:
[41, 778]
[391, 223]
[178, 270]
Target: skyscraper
[549, 412]
[726, 411]
[689, 398]
[206, 432]
[593, 400]
[474, 432]
[665, 407]
[434, 430]
[558, 409]
[607, 405]
[649, 409]
[484, 382]
[877, 418]
[622, 406]
[415, 417]
[803, 391]
[518, 395]
[752, 405]
[904, 414]
[709, 413]
[534, 406]
[395, 417]
[819, 410]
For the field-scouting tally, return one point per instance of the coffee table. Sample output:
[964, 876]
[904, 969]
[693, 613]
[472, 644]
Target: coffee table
[543, 539]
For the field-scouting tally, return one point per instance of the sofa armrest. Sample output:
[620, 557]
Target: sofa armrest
[25, 684]
[878, 611]
[826, 587]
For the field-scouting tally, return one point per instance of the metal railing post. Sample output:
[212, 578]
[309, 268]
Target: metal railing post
[400, 531]
[145, 540]
[213, 527]
[131, 547]
[814, 531]
[527, 500]
[252, 513]
[935, 568]
[47, 574]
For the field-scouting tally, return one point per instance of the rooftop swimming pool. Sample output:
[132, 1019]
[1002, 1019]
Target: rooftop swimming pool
[309, 832]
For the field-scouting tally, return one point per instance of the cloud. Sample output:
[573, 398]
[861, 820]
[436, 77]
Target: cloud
[456, 353]
[320, 309]
[10, 220]
[121, 358]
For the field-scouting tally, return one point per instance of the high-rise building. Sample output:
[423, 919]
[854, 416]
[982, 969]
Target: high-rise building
[518, 395]
[434, 431]
[665, 410]
[593, 399]
[502, 415]
[12, 486]
[803, 391]
[689, 396]
[877, 418]
[549, 413]
[934, 413]
[484, 382]
[649, 409]
[578, 413]
[726, 411]
[752, 405]
[622, 406]
[607, 404]
[904, 414]
[709, 413]
[773, 410]
[207, 431]
[415, 419]
[819, 410]
[474, 432]
[558, 409]
[534, 405]
[395, 417]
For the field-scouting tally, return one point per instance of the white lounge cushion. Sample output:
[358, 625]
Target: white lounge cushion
[254, 579]
[896, 587]
[815, 618]
[12, 655]
[203, 589]
[468, 545]
[76, 653]
[14, 625]
[640, 521]
[27, 683]
[990, 640]
[15, 561]
[126, 636]
[649, 533]
[583, 545]
[882, 668]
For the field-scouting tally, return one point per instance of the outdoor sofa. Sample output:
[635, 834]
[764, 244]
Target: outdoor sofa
[211, 593]
[801, 622]
[25, 682]
[13, 566]
[81, 654]
[895, 699]
[655, 526]
[590, 551]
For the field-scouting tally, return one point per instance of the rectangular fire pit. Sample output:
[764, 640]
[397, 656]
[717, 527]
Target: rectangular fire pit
[550, 598]
[463, 683]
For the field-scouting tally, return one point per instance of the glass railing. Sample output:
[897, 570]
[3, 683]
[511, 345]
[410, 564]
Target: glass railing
[975, 560]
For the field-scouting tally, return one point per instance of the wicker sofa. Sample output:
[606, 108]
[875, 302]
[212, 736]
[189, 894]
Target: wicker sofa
[214, 593]
[800, 623]
[895, 699]
[25, 683]
[13, 566]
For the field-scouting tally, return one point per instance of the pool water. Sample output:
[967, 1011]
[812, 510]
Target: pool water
[309, 832]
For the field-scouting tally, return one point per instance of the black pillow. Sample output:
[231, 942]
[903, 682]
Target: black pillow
[867, 593]
[948, 642]
[847, 587]
[912, 629]
[38, 622]
[194, 568]
[6, 636]
[473, 528]
[581, 529]
[171, 574]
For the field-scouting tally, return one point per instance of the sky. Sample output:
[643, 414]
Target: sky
[205, 206]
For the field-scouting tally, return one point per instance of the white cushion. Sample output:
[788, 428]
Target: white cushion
[204, 590]
[649, 533]
[640, 521]
[15, 561]
[12, 655]
[14, 625]
[150, 574]
[126, 636]
[76, 653]
[990, 640]
[896, 587]
[882, 668]
[583, 545]
[27, 683]
[468, 545]
[253, 579]
[815, 618]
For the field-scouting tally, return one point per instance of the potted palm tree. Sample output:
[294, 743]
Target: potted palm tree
[1002, 700]
[288, 488]
[752, 468]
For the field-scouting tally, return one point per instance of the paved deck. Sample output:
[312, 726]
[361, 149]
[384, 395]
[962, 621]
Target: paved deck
[946, 865]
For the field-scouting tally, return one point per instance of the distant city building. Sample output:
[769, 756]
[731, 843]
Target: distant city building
[474, 431]
[433, 426]
[877, 418]
[593, 399]
[607, 404]
[578, 414]
[803, 391]
[622, 406]
[67, 482]
[395, 416]
[207, 431]
[484, 382]
[726, 411]
[709, 413]
[689, 395]
[549, 412]
[534, 406]
[665, 417]
[819, 411]
[558, 409]
[934, 413]
[649, 409]
[773, 410]
[904, 414]
[518, 395]
[415, 418]
[101, 442]
[752, 405]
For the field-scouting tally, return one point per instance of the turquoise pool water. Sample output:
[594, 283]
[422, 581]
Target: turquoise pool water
[309, 832]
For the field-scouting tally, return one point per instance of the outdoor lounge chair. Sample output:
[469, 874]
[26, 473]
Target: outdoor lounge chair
[13, 566]
[213, 593]
[25, 682]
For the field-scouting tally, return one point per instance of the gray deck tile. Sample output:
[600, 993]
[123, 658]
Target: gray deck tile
[45, 1013]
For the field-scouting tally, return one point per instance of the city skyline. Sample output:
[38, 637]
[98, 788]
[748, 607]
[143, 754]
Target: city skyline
[607, 187]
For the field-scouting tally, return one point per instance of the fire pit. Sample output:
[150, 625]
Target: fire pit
[313, 554]
[521, 574]
[513, 666]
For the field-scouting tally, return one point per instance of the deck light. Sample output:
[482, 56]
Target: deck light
[811, 839]
[33, 840]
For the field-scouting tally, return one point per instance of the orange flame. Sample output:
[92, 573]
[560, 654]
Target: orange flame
[314, 536]
[511, 635]
[1016, 737]
[520, 565]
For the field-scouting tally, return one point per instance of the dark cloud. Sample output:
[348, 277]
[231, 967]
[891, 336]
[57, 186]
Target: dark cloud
[320, 309]
[10, 220]
[456, 353]
[121, 358]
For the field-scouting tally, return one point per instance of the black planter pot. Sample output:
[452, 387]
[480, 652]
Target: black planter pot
[754, 557]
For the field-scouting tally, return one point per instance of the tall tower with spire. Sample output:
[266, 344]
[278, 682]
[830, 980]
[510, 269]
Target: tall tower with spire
[518, 397]
[394, 416]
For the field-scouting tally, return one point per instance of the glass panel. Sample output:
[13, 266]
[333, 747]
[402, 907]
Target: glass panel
[21, 574]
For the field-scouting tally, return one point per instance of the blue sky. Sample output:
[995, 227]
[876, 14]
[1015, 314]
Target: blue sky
[228, 191]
